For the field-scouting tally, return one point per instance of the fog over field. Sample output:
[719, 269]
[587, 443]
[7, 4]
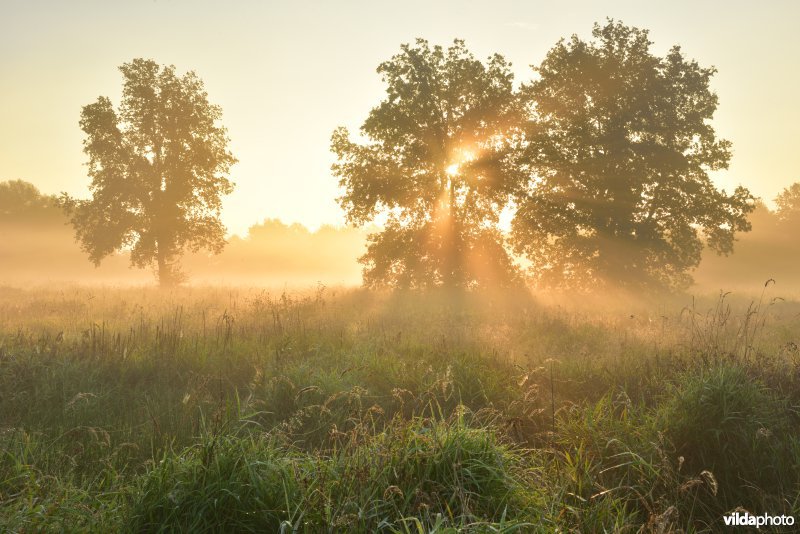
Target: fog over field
[39, 248]
[323, 267]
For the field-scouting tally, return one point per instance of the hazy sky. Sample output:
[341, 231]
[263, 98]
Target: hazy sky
[287, 73]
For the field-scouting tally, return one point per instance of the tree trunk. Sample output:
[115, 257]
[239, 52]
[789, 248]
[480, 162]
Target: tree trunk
[163, 275]
[453, 268]
[166, 271]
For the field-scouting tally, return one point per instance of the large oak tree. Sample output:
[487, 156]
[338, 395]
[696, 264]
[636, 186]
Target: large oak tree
[159, 166]
[620, 146]
[434, 168]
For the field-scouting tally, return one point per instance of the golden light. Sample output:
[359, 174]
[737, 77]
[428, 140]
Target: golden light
[464, 156]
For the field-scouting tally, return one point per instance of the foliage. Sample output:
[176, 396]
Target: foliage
[437, 165]
[788, 203]
[158, 166]
[22, 202]
[621, 147]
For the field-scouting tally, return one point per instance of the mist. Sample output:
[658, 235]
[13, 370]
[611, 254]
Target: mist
[38, 247]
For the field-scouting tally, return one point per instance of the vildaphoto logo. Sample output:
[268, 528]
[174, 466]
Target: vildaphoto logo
[747, 519]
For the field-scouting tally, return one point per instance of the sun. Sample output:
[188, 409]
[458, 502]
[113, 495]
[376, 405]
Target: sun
[464, 156]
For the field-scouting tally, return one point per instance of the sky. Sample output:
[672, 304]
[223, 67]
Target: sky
[287, 73]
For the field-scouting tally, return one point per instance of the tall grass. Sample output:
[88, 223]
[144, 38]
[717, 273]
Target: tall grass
[350, 411]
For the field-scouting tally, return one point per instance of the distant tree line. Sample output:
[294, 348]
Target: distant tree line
[770, 251]
[21, 202]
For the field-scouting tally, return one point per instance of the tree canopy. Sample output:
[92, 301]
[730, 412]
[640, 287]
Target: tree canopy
[604, 158]
[436, 167]
[159, 166]
[620, 147]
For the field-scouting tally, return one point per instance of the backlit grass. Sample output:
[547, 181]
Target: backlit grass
[351, 411]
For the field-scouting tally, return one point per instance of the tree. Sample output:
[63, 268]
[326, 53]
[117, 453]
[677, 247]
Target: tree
[788, 203]
[436, 165]
[22, 201]
[158, 166]
[621, 147]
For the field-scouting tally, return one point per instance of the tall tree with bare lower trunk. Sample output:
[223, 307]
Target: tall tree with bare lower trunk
[621, 145]
[435, 169]
[159, 166]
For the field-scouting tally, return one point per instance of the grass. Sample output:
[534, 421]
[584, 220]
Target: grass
[423, 470]
[351, 411]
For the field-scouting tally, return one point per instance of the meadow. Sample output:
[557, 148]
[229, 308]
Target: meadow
[345, 410]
